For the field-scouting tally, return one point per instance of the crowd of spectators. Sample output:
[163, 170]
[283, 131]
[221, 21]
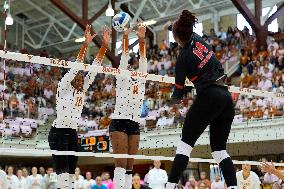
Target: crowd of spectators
[156, 178]
[31, 88]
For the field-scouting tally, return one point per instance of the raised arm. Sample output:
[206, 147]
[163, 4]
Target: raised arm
[125, 51]
[99, 58]
[105, 41]
[269, 168]
[180, 78]
[142, 48]
[88, 39]
[69, 76]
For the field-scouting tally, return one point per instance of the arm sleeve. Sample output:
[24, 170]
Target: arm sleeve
[143, 59]
[125, 55]
[101, 54]
[82, 52]
[181, 72]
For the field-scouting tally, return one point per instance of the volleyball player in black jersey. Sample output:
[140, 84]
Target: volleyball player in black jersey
[213, 105]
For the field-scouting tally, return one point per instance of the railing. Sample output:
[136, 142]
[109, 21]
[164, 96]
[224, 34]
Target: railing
[277, 120]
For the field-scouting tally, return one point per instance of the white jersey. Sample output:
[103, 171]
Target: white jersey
[34, 182]
[87, 184]
[11, 181]
[252, 182]
[69, 102]
[21, 183]
[129, 93]
[3, 180]
[79, 184]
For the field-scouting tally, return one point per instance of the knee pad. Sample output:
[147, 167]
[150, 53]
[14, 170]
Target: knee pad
[184, 149]
[119, 178]
[220, 155]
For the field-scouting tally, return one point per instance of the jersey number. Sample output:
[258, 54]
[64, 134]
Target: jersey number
[199, 50]
[79, 101]
[135, 89]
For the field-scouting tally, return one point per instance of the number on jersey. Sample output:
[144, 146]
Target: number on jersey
[199, 50]
[79, 101]
[135, 89]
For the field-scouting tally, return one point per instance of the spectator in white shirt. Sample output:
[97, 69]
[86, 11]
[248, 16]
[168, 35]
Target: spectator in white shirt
[34, 181]
[3, 180]
[11, 178]
[157, 178]
[25, 173]
[21, 182]
[49, 180]
[265, 84]
[88, 182]
[217, 183]
[247, 179]
[78, 179]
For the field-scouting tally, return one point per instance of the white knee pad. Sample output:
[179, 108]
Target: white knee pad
[119, 178]
[184, 149]
[128, 181]
[220, 155]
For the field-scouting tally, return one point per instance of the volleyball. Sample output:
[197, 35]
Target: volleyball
[120, 21]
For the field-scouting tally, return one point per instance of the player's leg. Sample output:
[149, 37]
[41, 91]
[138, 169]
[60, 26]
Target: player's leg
[119, 141]
[58, 140]
[205, 108]
[133, 145]
[219, 133]
[72, 160]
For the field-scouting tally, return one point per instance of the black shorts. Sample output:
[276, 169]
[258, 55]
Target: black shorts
[125, 125]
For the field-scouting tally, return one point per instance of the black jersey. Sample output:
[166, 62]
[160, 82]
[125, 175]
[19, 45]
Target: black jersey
[198, 63]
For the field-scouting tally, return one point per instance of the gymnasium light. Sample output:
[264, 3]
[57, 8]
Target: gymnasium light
[6, 5]
[150, 22]
[109, 11]
[80, 40]
[9, 20]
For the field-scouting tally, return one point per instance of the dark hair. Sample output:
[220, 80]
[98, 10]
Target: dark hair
[183, 27]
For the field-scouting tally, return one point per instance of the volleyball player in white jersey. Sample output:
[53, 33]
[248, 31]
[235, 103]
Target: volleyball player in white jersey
[34, 181]
[124, 128]
[3, 180]
[69, 104]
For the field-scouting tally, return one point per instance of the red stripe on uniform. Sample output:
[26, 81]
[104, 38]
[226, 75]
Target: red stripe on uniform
[194, 78]
[178, 86]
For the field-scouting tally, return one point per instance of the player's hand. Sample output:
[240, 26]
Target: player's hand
[141, 30]
[127, 31]
[88, 36]
[106, 35]
[267, 167]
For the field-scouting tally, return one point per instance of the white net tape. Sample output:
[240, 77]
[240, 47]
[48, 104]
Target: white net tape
[113, 71]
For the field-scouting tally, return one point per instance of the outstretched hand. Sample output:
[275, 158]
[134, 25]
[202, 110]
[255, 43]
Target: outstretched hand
[106, 35]
[141, 30]
[267, 167]
[88, 36]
